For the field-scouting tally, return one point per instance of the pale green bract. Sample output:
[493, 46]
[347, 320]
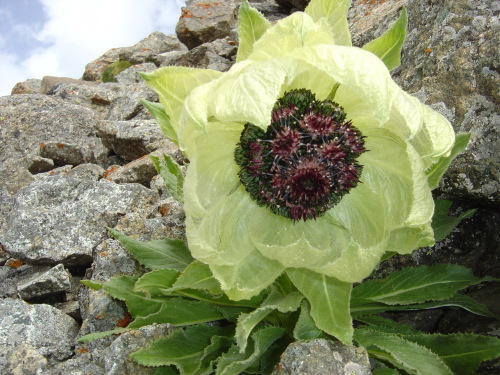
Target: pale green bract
[245, 245]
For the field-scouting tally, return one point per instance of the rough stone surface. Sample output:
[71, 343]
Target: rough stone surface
[98, 98]
[216, 56]
[205, 21]
[61, 219]
[450, 62]
[130, 75]
[30, 86]
[49, 205]
[88, 171]
[147, 50]
[29, 121]
[22, 360]
[49, 83]
[133, 139]
[127, 105]
[41, 281]
[50, 332]
[321, 356]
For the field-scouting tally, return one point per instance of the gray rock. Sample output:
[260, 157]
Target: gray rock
[450, 62]
[203, 22]
[79, 365]
[30, 86]
[14, 175]
[49, 83]
[29, 121]
[146, 50]
[62, 153]
[117, 360]
[50, 332]
[130, 75]
[98, 98]
[61, 219]
[8, 288]
[141, 170]
[86, 171]
[321, 356]
[215, 55]
[22, 360]
[42, 281]
[127, 104]
[40, 164]
[133, 139]
[6, 205]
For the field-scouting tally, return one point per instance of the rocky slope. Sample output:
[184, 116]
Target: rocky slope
[73, 160]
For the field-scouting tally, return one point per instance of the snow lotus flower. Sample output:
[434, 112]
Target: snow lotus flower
[304, 155]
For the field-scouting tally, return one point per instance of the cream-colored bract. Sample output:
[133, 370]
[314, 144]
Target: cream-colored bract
[246, 246]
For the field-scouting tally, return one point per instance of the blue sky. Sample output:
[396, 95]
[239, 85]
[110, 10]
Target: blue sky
[59, 37]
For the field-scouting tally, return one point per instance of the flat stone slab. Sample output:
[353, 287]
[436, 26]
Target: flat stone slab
[50, 332]
[61, 219]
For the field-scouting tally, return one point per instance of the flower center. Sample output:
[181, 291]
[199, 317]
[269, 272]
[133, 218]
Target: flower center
[306, 160]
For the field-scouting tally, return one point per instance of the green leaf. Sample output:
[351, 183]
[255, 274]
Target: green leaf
[173, 84]
[138, 304]
[165, 370]
[385, 371]
[172, 175]
[275, 301]
[157, 254]
[335, 11]
[400, 352]
[443, 224]
[329, 299]
[382, 324]
[435, 172]
[179, 312]
[233, 362]
[221, 300]
[158, 113]
[197, 276]
[186, 349]
[458, 300]
[251, 25]
[415, 285]
[100, 335]
[305, 328]
[388, 46]
[155, 282]
[94, 285]
[462, 352]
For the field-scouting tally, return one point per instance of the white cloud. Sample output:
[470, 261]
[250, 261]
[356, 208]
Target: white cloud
[78, 32]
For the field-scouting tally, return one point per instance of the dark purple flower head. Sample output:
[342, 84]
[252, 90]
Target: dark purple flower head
[306, 160]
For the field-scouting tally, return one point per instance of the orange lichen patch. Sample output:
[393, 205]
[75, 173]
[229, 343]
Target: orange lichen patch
[186, 13]
[42, 145]
[163, 210]
[98, 316]
[428, 50]
[103, 253]
[14, 263]
[110, 170]
[51, 173]
[60, 145]
[82, 350]
[125, 321]
[207, 5]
